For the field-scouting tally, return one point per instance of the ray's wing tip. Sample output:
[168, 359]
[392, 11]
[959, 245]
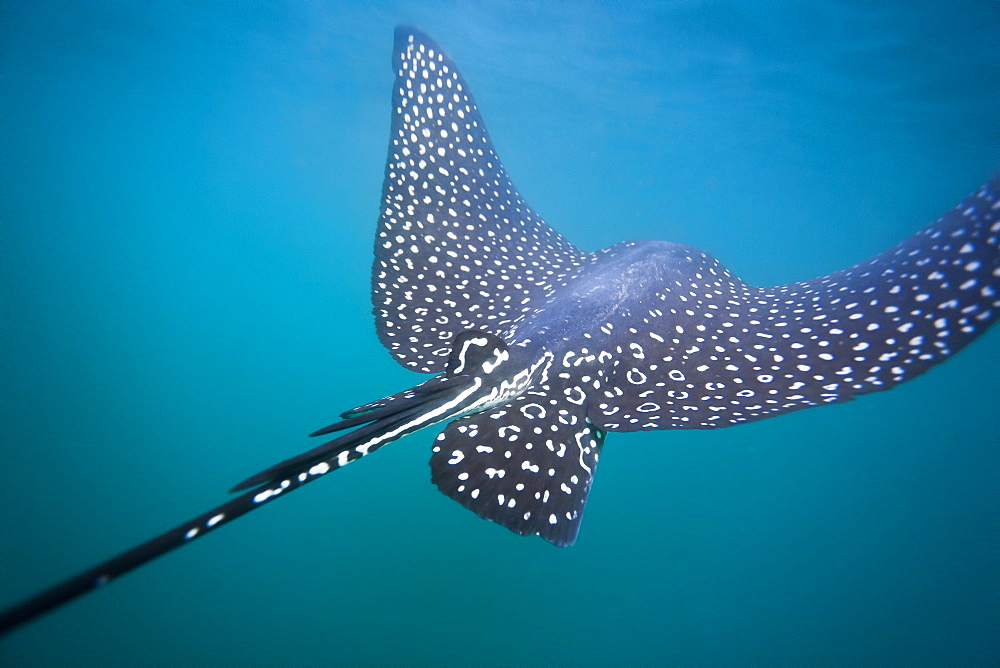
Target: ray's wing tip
[559, 536]
[406, 33]
[993, 183]
[404, 30]
[561, 541]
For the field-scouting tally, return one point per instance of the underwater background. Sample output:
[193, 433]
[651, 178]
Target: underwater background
[188, 196]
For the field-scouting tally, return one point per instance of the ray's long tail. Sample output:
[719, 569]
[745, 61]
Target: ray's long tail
[374, 424]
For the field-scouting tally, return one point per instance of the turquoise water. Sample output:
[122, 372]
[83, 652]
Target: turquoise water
[188, 195]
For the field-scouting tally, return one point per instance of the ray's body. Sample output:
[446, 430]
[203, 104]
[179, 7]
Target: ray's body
[541, 349]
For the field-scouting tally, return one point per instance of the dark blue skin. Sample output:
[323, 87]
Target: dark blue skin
[656, 335]
[541, 349]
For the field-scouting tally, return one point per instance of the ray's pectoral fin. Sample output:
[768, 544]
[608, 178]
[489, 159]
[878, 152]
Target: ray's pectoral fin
[527, 465]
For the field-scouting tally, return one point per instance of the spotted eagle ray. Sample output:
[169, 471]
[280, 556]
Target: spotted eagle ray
[541, 349]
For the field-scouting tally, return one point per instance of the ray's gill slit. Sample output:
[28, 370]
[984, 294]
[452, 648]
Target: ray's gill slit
[541, 349]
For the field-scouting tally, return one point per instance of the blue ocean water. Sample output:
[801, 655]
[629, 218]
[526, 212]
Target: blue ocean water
[188, 193]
